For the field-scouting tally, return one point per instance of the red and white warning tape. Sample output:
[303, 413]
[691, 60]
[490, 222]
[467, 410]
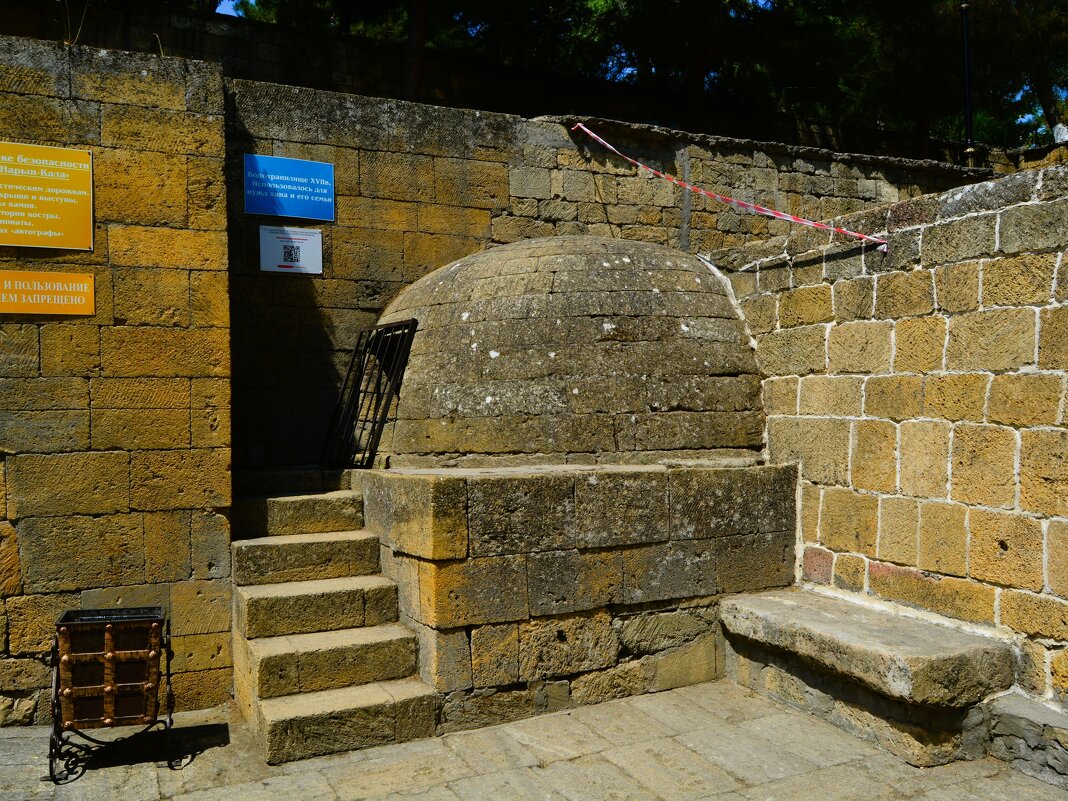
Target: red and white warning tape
[738, 204]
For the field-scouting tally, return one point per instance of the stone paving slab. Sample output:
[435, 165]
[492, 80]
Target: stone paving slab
[900, 657]
[708, 742]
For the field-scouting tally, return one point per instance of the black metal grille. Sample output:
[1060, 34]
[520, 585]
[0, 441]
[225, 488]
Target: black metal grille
[371, 386]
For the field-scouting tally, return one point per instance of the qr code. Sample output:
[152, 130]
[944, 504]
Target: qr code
[291, 253]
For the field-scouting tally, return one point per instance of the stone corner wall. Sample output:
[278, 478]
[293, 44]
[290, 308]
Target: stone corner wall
[923, 394]
[532, 590]
[114, 428]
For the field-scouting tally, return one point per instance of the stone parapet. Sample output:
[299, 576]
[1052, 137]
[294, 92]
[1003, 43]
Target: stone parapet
[532, 588]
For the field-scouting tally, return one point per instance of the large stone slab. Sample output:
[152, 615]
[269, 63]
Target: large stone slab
[921, 735]
[313, 512]
[300, 557]
[719, 503]
[897, 656]
[456, 513]
[304, 607]
[422, 514]
[329, 660]
[340, 510]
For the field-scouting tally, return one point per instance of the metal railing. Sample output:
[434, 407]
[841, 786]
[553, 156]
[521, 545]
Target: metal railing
[371, 387]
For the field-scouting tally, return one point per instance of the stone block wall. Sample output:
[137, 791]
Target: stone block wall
[420, 186]
[534, 589]
[922, 391]
[114, 428]
[1005, 162]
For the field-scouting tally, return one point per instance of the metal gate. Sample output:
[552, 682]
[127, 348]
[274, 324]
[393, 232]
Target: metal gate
[371, 387]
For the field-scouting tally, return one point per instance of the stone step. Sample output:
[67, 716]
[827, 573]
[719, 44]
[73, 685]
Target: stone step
[897, 656]
[338, 510]
[292, 480]
[305, 607]
[332, 721]
[300, 557]
[305, 663]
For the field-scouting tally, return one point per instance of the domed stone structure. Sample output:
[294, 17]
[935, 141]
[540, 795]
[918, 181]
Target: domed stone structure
[574, 350]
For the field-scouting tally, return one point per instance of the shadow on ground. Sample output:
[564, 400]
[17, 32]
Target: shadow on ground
[176, 749]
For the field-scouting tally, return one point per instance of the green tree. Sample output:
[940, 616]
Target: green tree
[849, 63]
[1027, 42]
[76, 7]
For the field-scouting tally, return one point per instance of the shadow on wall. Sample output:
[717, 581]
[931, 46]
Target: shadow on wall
[287, 348]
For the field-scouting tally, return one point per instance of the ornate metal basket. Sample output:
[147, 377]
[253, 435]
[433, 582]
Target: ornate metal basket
[106, 673]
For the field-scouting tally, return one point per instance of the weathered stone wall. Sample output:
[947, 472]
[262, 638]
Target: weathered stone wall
[923, 393]
[1005, 162]
[114, 428]
[420, 186]
[532, 589]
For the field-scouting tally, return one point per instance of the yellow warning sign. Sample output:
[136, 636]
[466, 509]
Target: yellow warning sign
[46, 197]
[23, 292]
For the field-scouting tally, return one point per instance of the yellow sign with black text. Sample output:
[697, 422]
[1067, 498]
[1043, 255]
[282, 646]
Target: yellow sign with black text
[46, 197]
[23, 292]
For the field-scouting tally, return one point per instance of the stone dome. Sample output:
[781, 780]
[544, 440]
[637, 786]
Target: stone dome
[574, 349]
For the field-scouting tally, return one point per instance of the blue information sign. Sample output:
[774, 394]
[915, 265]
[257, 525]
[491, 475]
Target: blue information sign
[289, 187]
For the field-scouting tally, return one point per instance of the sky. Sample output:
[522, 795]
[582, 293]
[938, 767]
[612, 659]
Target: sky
[226, 7]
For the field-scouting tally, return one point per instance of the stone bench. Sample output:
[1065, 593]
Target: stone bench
[911, 685]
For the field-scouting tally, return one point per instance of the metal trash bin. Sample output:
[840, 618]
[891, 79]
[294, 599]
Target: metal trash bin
[106, 672]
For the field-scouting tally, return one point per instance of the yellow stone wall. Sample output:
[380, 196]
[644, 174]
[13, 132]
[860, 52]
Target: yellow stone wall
[923, 393]
[115, 428]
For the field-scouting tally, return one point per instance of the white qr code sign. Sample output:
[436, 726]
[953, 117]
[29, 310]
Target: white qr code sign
[291, 250]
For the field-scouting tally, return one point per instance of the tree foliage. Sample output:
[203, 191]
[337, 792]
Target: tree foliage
[872, 64]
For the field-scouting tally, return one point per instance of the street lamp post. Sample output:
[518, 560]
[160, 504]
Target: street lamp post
[969, 133]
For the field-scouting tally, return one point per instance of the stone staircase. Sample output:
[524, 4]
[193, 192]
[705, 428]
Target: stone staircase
[321, 664]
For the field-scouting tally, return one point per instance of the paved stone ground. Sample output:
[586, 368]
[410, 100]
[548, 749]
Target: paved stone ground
[711, 741]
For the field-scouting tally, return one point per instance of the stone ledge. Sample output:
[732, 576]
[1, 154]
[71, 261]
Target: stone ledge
[328, 722]
[668, 138]
[899, 657]
[458, 513]
[307, 513]
[921, 735]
